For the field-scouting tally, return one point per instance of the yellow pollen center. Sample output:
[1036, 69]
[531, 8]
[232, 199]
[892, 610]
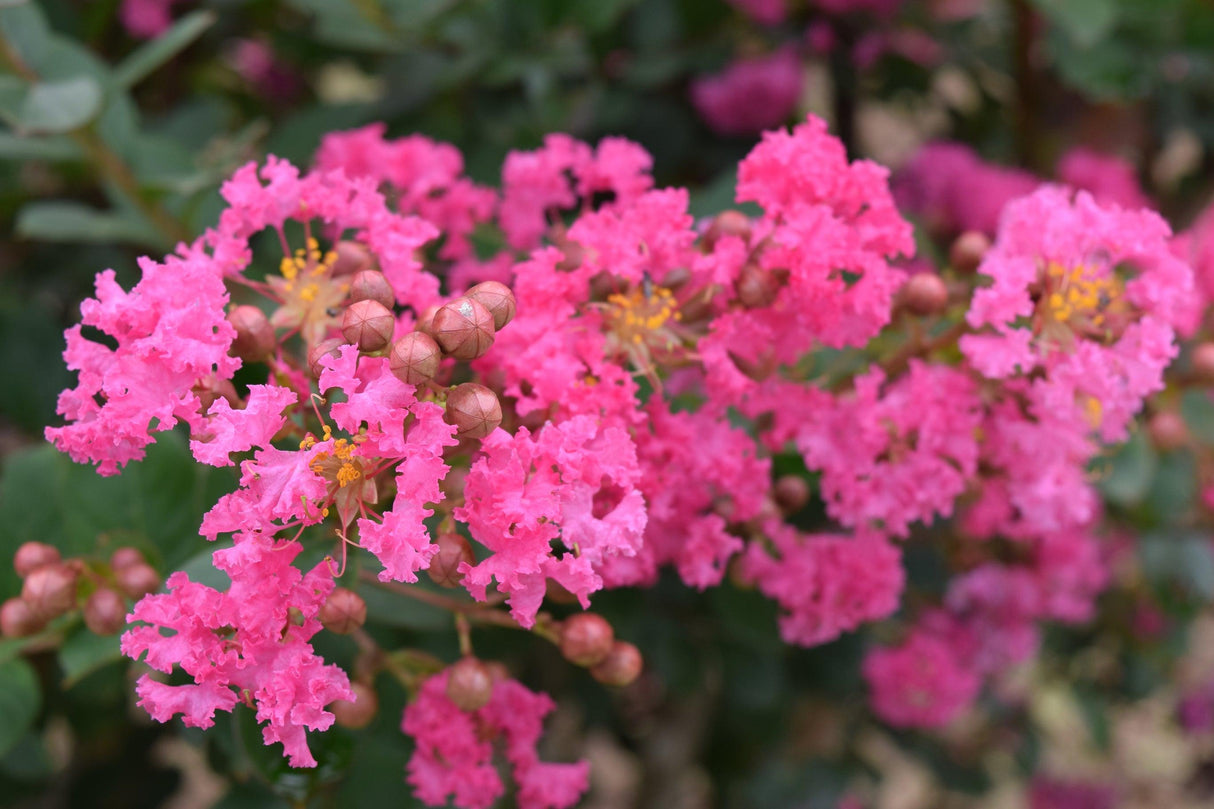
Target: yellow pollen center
[1079, 296]
[635, 314]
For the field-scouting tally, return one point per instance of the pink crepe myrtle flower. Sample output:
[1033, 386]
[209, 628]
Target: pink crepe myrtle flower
[453, 757]
[767, 12]
[750, 95]
[921, 683]
[954, 190]
[1111, 180]
[145, 19]
[883, 8]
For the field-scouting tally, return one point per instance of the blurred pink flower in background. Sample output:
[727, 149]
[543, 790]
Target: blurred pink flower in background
[751, 94]
[768, 12]
[145, 18]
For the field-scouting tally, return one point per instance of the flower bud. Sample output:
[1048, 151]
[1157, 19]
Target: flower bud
[343, 611]
[105, 612]
[758, 287]
[620, 667]
[791, 493]
[586, 639]
[444, 566]
[360, 712]
[50, 590]
[469, 684]
[254, 335]
[352, 258]
[211, 389]
[968, 251]
[727, 223]
[464, 328]
[415, 358]
[368, 325]
[371, 285]
[1168, 430]
[473, 409]
[497, 298]
[17, 619]
[923, 294]
[425, 321]
[125, 557]
[138, 580]
[33, 555]
[325, 348]
[1203, 362]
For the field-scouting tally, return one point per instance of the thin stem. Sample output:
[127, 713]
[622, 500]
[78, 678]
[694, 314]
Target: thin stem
[476, 611]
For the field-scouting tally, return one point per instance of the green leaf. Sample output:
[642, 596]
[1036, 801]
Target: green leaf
[146, 59]
[1132, 471]
[1197, 408]
[83, 653]
[60, 106]
[1084, 21]
[20, 700]
[63, 221]
[49, 147]
[24, 27]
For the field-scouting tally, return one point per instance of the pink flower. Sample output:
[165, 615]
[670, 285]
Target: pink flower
[145, 19]
[750, 95]
[954, 190]
[231, 430]
[920, 683]
[767, 12]
[1111, 180]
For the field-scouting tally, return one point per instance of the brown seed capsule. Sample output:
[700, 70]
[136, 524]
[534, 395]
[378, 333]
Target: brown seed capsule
[469, 684]
[791, 493]
[371, 285]
[50, 590]
[359, 712]
[415, 358]
[497, 298]
[33, 555]
[368, 325]
[758, 287]
[325, 348]
[620, 667]
[727, 223]
[924, 293]
[17, 619]
[1168, 430]
[453, 549]
[138, 580]
[352, 258]
[254, 335]
[343, 611]
[105, 612]
[586, 639]
[464, 328]
[968, 251]
[125, 557]
[473, 409]
[1203, 362]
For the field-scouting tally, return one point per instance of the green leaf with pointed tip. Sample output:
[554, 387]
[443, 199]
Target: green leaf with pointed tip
[60, 106]
[20, 699]
[82, 653]
[63, 221]
[152, 55]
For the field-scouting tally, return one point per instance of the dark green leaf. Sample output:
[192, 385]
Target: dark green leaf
[73, 222]
[144, 61]
[20, 700]
[1130, 472]
[60, 106]
[82, 653]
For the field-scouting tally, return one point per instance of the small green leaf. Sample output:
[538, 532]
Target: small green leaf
[24, 27]
[47, 147]
[1086, 22]
[1132, 469]
[83, 653]
[20, 700]
[62, 221]
[145, 60]
[60, 106]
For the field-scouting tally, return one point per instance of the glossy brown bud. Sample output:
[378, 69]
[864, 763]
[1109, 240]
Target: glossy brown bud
[371, 285]
[254, 335]
[211, 389]
[32, 555]
[464, 328]
[325, 348]
[453, 550]
[791, 493]
[620, 667]
[343, 611]
[586, 639]
[967, 252]
[469, 684]
[17, 619]
[758, 287]
[473, 409]
[105, 612]
[359, 712]
[50, 590]
[352, 258]
[497, 298]
[1168, 430]
[1203, 362]
[368, 325]
[727, 223]
[415, 358]
[137, 580]
[924, 293]
[125, 557]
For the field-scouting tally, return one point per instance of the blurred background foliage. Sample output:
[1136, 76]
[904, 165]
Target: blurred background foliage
[114, 146]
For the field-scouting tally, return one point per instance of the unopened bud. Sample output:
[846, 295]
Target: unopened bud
[968, 251]
[212, 388]
[727, 223]
[33, 555]
[473, 409]
[138, 580]
[371, 285]
[575, 254]
[343, 611]
[1203, 362]
[791, 493]
[254, 335]
[924, 294]
[620, 667]
[105, 612]
[1168, 430]
[464, 328]
[352, 258]
[425, 321]
[359, 712]
[586, 639]
[368, 325]
[758, 287]
[325, 348]
[125, 557]
[50, 590]
[469, 684]
[17, 619]
[453, 550]
[557, 593]
[415, 358]
[497, 298]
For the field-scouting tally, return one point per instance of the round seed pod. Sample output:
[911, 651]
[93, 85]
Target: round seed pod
[211, 389]
[50, 590]
[464, 328]
[343, 611]
[125, 557]
[1203, 362]
[757, 287]
[727, 223]
[371, 285]
[415, 358]
[254, 335]
[17, 619]
[586, 639]
[620, 667]
[137, 580]
[1168, 430]
[325, 348]
[791, 493]
[359, 712]
[968, 250]
[32, 555]
[352, 258]
[469, 684]
[453, 549]
[473, 409]
[498, 299]
[368, 324]
[924, 293]
[105, 612]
